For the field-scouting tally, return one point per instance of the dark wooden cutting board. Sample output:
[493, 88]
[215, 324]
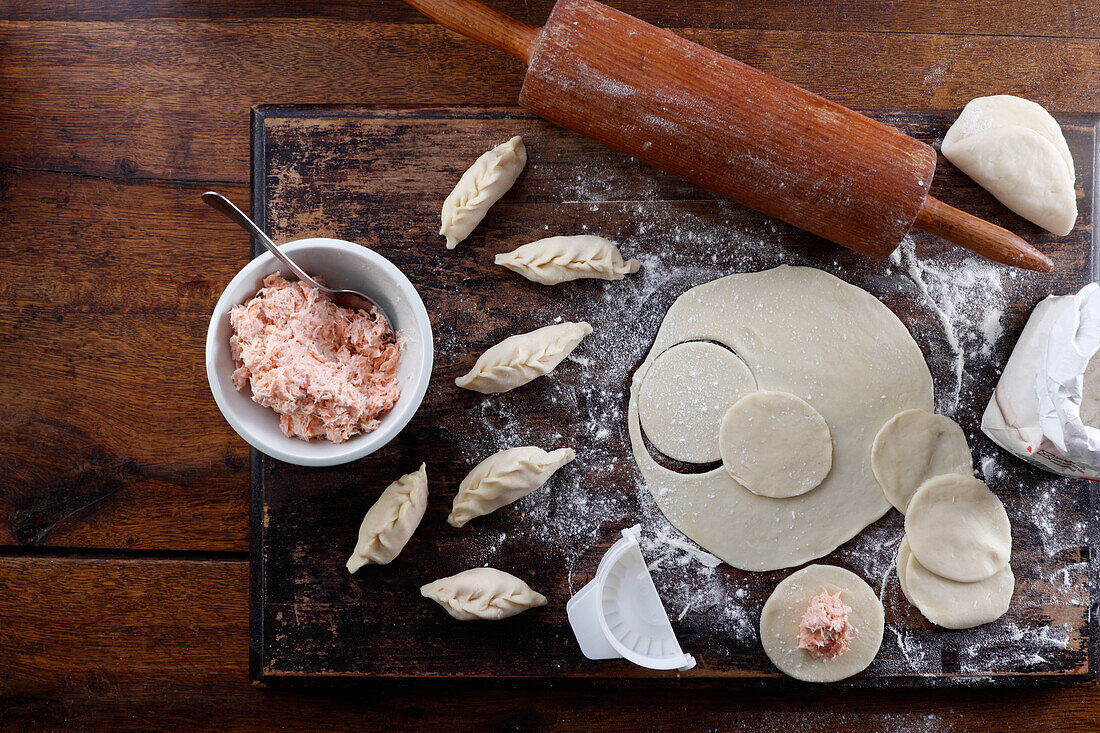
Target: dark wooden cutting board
[379, 176]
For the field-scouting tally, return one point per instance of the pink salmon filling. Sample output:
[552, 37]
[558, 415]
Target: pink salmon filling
[327, 371]
[824, 630]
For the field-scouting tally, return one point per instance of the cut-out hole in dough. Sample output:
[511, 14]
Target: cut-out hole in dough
[684, 394]
[775, 444]
[678, 466]
[914, 446]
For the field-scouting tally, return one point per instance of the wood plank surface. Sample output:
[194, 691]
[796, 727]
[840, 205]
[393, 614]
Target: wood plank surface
[981, 17]
[127, 75]
[113, 438]
[379, 175]
[117, 644]
[133, 89]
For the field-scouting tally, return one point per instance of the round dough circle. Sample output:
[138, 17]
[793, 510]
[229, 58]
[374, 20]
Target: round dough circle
[775, 444]
[782, 616]
[957, 528]
[685, 393]
[958, 605]
[803, 331]
[914, 446]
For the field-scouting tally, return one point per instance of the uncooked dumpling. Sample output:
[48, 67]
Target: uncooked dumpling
[503, 478]
[793, 327]
[684, 395]
[914, 446]
[958, 528]
[1015, 150]
[518, 359]
[391, 520]
[482, 594]
[784, 612]
[560, 259]
[480, 187]
[775, 444]
[955, 605]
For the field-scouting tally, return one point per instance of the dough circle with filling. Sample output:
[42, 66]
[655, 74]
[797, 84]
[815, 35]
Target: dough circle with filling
[954, 605]
[958, 528]
[913, 447]
[795, 328]
[782, 615]
[682, 401]
[755, 440]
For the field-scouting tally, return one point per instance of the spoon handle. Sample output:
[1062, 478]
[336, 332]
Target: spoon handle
[224, 205]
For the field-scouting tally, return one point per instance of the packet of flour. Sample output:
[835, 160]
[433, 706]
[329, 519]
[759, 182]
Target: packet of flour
[1046, 407]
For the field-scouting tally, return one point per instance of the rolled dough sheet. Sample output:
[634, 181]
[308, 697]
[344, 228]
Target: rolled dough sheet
[782, 616]
[795, 329]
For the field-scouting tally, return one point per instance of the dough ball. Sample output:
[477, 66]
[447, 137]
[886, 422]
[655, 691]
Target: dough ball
[902, 562]
[1015, 150]
[914, 446]
[955, 605]
[685, 393]
[782, 616]
[775, 444]
[958, 528]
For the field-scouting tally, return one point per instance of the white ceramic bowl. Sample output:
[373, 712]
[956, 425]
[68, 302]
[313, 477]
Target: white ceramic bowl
[343, 265]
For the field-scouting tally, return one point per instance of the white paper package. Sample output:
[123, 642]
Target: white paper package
[1035, 411]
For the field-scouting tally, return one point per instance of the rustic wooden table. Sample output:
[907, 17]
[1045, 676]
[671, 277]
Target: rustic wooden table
[123, 565]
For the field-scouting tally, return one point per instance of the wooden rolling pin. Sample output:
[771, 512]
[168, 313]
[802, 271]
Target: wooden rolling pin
[730, 128]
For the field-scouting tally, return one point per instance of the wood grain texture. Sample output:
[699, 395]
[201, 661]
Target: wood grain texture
[711, 120]
[979, 236]
[1076, 18]
[112, 438]
[380, 176]
[130, 89]
[133, 645]
[140, 80]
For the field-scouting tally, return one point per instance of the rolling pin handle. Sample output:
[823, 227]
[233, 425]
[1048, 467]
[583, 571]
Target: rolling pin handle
[482, 23]
[980, 236]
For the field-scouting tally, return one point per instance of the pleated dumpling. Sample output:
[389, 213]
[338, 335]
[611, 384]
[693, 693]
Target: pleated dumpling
[1016, 150]
[480, 187]
[483, 594]
[559, 259]
[518, 359]
[503, 478]
[391, 521]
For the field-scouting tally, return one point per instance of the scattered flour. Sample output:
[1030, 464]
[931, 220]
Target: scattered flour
[968, 298]
[715, 609]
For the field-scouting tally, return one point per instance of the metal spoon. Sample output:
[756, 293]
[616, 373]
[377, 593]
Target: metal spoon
[343, 298]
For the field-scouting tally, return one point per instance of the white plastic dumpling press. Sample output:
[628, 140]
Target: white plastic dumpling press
[619, 613]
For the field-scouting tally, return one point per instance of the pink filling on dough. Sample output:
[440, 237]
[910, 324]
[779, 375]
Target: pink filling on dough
[824, 630]
[328, 371]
